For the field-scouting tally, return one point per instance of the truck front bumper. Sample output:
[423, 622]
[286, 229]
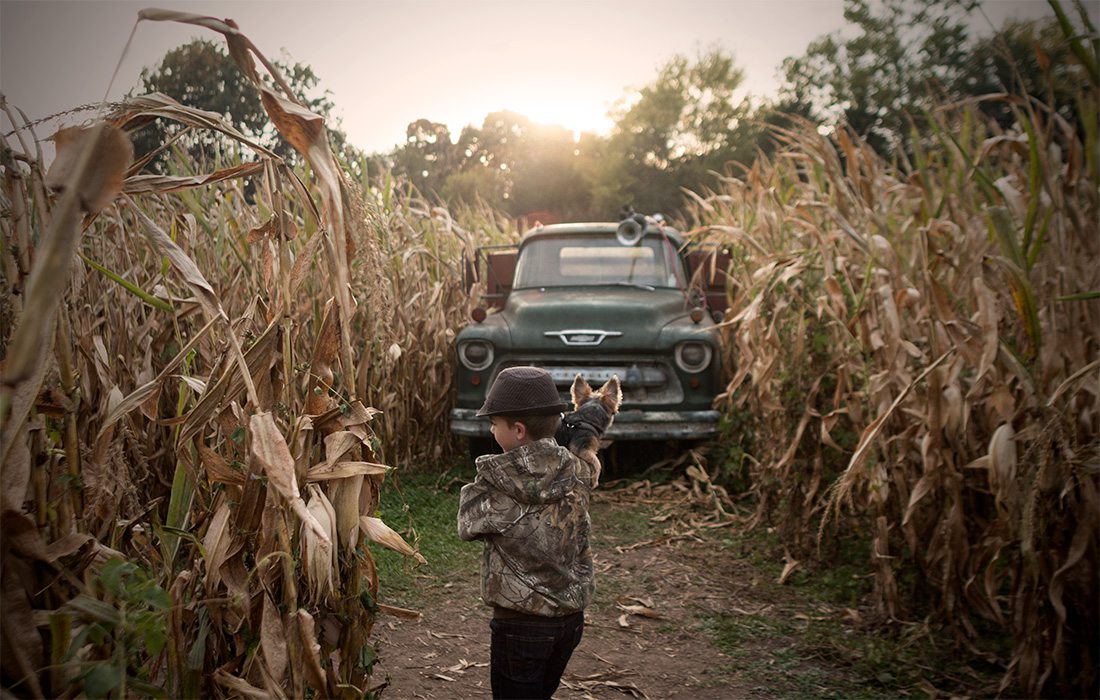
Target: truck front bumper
[628, 425]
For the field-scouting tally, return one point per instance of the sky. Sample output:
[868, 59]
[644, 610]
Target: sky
[388, 63]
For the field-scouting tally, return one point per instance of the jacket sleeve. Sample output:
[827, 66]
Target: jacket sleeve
[475, 511]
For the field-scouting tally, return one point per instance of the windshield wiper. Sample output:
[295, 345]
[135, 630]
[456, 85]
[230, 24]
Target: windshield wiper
[636, 285]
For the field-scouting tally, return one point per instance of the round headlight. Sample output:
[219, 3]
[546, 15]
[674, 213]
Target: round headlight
[693, 356]
[476, 354]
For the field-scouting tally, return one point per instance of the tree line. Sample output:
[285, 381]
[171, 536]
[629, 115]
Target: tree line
[689, 126]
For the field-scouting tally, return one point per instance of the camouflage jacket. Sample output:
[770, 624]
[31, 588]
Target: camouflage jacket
[530, 507]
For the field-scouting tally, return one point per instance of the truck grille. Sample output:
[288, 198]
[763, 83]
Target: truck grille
[643, 383]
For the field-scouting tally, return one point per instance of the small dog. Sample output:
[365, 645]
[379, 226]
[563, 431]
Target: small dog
[593, 412]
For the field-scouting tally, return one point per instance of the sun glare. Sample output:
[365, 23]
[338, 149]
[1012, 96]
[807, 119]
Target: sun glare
[577, 115]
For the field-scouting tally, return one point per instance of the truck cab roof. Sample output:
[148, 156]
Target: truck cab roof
[598, 227]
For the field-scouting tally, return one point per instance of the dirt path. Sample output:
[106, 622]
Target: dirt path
[645, 635]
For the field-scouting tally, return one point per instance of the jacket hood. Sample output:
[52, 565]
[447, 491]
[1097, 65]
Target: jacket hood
[536, 473]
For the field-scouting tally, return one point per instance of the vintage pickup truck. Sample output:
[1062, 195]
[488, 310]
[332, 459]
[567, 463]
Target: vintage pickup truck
[600, 299]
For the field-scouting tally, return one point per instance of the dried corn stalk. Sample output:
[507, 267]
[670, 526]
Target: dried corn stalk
[920, 349]
[189, 375]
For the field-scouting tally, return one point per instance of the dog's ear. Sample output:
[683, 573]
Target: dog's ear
[611, 395]
[579, 392]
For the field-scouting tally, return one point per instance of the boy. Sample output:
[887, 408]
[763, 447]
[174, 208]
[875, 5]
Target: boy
[530, 507]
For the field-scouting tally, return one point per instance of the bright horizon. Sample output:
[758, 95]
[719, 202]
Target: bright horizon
[562, 63]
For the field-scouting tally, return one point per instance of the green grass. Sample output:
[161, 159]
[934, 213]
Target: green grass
[619, 526]
[423, 508]
[819, 653]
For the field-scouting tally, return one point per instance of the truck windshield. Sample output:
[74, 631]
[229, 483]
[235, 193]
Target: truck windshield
[575, 262]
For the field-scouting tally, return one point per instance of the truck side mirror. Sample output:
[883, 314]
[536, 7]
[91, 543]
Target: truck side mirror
[495, 267]
[500, 268]
[709, 268]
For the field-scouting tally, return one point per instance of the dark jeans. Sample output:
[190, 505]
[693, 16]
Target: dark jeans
[528, 654]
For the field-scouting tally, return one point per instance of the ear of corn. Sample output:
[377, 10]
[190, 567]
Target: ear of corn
[319, 546]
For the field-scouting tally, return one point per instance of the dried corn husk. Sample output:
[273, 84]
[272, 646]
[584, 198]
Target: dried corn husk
[380, 532]
[318, 556]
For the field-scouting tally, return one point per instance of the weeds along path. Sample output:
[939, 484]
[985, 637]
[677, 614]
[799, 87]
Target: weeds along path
[684, 608]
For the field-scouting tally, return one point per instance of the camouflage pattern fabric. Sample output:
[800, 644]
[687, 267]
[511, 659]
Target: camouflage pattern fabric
[530, 507]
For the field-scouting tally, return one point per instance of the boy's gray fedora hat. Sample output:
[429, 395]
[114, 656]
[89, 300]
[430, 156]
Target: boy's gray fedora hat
[521, 391]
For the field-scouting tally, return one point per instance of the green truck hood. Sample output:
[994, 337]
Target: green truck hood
[638, 314]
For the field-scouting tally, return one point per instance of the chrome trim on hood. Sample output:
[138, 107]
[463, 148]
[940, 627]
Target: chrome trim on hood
[582, 337]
